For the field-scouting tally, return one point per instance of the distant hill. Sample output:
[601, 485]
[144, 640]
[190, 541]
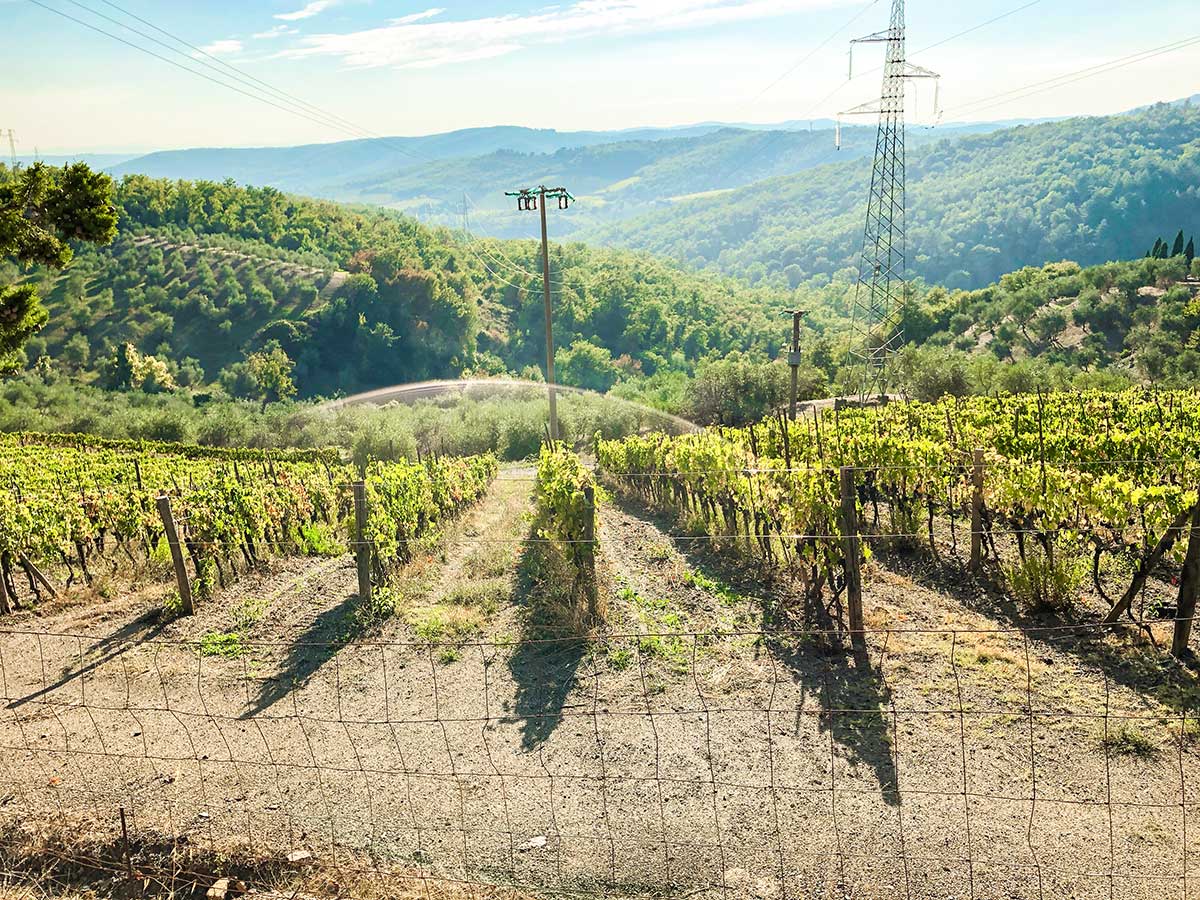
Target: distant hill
[95, 160]
[1089, 189]
[617, 174]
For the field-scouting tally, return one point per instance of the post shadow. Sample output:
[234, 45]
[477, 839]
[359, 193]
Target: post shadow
[324, 638]
[145, 627]
[546, 660]
[803, 636]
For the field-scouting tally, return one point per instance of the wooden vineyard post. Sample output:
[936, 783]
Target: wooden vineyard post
[362, 549]
[181, 575]
[588, 556]
[977, 511]
[1189, 586]
[5, 606]
[37, 574]
[851, 556]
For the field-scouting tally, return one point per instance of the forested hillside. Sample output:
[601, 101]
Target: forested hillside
[202, 274]
[1089, 189]
[1137, 320]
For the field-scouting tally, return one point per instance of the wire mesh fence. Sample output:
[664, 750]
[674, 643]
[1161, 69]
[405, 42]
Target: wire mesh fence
[1056, 762]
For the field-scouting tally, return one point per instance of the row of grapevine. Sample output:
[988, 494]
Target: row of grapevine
[330, 455]
[74, 510]
[1107, 478]
[405, 501]
[566, 521]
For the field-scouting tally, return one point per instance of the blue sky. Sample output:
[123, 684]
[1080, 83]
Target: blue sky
[401, 68]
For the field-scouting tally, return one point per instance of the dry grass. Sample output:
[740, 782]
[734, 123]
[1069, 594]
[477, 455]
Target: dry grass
[86, 858]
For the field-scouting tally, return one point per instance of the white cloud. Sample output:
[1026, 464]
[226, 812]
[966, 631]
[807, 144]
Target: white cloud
[316, 7]
[417, 17]
[415, 42]
[277, 31]
[218, 48]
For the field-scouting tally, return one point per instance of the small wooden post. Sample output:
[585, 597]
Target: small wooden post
[362, 550]
[5, 605]
[181, 575]
[977, 511]
[589, 554]
[1189, 586]
[851, 556]
[37, 573]
[125, 846]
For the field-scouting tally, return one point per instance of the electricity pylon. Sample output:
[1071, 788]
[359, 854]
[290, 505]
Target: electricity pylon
[12, 146]
[882, 290]
[529, 200]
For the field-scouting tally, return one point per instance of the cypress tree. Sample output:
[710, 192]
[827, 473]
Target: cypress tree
[1190, 250]
[1157, 248]
[1177, 250]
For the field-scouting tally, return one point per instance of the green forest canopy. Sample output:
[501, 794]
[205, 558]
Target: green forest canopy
[1088, 189]
[204, 273]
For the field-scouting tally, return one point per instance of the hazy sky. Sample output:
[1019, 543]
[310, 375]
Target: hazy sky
[402, 68]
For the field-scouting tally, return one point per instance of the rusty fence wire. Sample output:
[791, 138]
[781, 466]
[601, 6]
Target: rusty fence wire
[1056, 762]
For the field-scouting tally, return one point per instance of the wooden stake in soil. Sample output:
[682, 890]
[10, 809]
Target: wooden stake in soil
[181, 575]
[125, 846]
[362, 549]
[851, 557]
[1189, 586]
[977, 511]
[591, 590]
[37, 573]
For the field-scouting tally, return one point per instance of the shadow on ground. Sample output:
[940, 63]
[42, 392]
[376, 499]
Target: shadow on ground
[545, 663]
[301, 659]
[849, 689]
[145, 627]
[1121, 653]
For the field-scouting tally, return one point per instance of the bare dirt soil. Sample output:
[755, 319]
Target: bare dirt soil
[702, 744]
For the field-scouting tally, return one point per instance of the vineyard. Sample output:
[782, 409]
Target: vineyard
[913, 650]
[1093, 487]
[75, 508]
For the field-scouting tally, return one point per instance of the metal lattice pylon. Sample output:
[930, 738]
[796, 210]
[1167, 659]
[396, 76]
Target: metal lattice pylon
[881, 291]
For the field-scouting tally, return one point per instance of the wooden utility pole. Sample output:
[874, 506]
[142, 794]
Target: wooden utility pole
[794, 358]
[528, 200]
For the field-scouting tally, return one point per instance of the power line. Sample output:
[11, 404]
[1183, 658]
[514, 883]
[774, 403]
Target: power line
[227, 65]
[815, 50]
[149, 37]
[288, 103]
[946, 40]
[1039, 87]
[500, 259]
[179, 65]
[992, 21]
[837, 90]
